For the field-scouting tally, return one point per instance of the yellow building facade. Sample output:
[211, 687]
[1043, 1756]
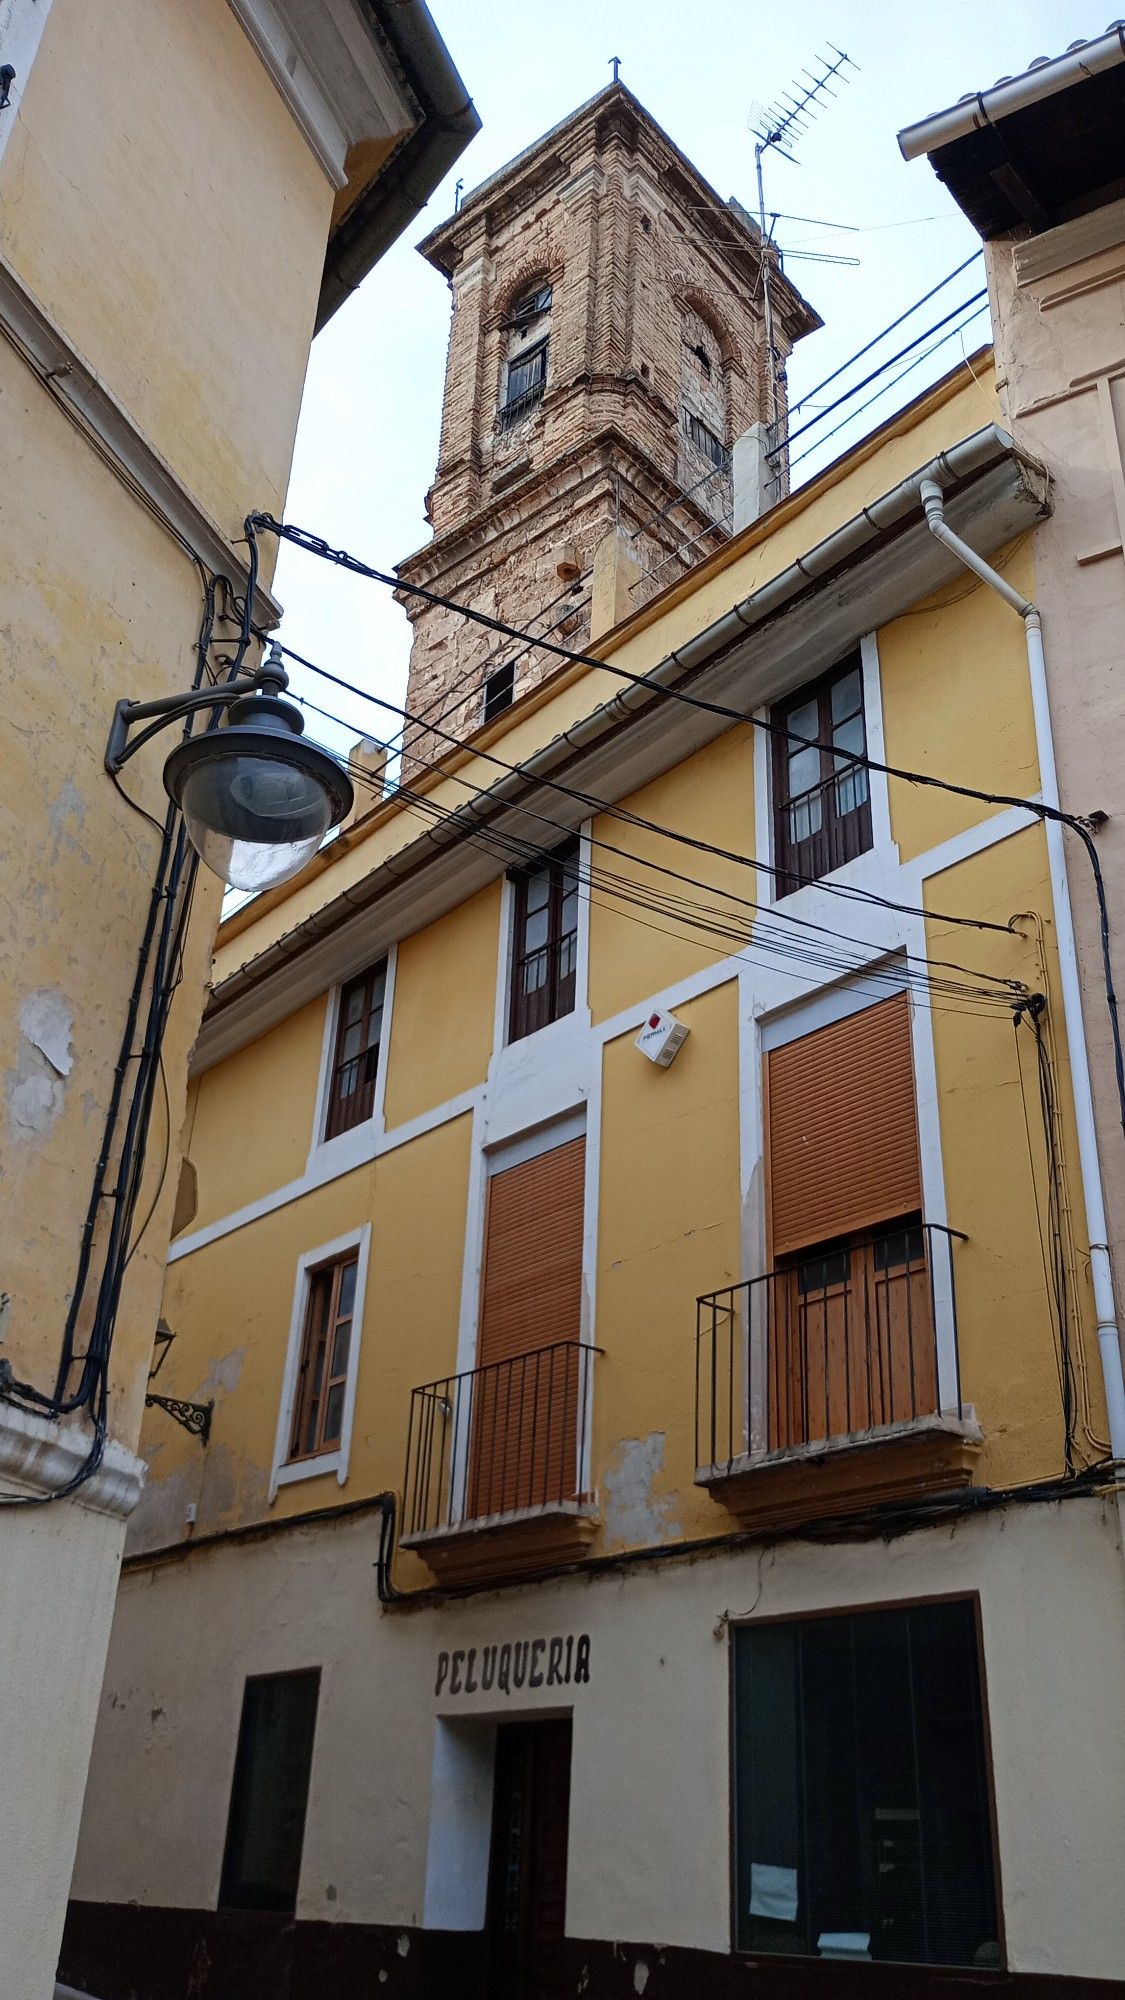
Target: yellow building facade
[660, 1474]
[164, 171]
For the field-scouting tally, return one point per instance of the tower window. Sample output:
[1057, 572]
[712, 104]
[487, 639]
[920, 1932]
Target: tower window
[704, 360]
[526, 380]
[530, 306]
[499, 689]
[704, 439]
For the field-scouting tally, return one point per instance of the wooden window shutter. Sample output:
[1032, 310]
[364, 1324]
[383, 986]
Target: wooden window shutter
[532, 1291]
[842, 1128]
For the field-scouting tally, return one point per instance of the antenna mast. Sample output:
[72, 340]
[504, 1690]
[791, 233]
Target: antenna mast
[779, 128]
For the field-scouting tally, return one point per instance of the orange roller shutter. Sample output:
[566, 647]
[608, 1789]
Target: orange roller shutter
[525, 1393]
[842, 1128]
[532, 1292]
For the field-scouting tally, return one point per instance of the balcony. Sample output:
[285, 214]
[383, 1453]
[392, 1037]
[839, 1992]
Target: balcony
[833, 1383]
[497, 1463]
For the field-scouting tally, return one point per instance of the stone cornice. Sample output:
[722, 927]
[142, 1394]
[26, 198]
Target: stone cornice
[331, 72]
[539, 492]
[39, 1457]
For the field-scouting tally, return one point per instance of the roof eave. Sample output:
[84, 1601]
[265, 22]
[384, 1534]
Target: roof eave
[868, 571]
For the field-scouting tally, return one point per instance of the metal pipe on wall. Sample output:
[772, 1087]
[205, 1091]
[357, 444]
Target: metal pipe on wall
[1109, 1341]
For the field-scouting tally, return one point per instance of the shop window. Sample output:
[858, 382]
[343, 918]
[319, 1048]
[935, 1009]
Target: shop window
[318, 1411]
[862, 1814]
[269, 1796]
[355, 1058]
[822, 801]
[545, 944]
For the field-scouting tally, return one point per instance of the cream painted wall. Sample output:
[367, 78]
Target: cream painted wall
[648, 1857]
[160, 202]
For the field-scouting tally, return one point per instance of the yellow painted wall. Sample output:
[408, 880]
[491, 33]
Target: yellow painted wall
[445, 995]
[634, 952]
[97, 600]
[957, 705]
[668, 1230]
[995, 1177]
[250, 1125]
[955, 701]
[159, 201]
[751, 560]
[230, 1307]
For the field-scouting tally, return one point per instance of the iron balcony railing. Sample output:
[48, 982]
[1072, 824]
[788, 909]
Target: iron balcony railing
[499, 1440]
[822, 829]
[836, 1342]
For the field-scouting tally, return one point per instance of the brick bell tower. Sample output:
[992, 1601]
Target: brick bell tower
[606, 350]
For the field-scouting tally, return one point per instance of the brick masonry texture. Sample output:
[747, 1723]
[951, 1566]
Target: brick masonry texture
[654, 318]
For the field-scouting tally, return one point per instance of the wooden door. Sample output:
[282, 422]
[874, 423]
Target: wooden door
[527, 1881]
[851, 1338]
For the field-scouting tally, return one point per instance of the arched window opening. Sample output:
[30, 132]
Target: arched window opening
[527, 330]
[704, 415]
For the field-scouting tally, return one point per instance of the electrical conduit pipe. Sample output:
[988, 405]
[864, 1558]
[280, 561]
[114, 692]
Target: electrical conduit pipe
[1109, 1344]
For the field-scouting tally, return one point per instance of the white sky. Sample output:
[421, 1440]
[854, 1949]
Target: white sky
[368, 436]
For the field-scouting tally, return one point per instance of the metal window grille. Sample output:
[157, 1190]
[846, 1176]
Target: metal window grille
[526, 381]
[705, 440]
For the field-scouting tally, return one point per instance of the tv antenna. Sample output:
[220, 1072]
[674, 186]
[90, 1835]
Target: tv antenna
[778, 129]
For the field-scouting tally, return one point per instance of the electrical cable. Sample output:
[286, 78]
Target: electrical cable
[892, 327]
[316, 545]
[846, 892]
[703, 919]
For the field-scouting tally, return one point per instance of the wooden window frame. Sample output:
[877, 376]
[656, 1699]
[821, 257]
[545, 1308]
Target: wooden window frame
[560, 990]
[310, 1389]
[344, 1113]
[841, 836]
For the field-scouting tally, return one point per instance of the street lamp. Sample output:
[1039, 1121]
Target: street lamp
[257, 799]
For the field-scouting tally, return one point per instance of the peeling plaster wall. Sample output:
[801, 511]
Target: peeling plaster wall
[649, 1820]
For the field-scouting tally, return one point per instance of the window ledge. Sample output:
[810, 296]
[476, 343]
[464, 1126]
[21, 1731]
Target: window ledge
[499, 1545]
[848, 1473]
[311, 1468]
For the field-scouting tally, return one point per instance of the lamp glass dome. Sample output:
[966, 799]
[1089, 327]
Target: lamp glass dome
[256, 800]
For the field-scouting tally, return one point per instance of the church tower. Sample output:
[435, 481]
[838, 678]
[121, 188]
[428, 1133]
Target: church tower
[607, 348]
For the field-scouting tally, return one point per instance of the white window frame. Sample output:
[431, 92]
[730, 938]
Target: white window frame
[876, 865]
[286, 1472]
[354, 1146]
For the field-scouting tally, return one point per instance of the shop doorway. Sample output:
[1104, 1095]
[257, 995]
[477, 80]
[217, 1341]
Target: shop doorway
[527, 1877]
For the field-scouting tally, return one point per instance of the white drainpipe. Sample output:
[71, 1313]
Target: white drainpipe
[1109, 1344]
